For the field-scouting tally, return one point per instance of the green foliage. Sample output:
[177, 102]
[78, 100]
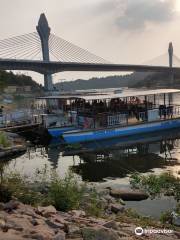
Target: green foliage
[166, 217]
[158, 80]
[156, 185]
[2, 85]
[178, 209]
[46, 188]
[4, 141]
[93, 206]
[5, 193]
[65, 193]
[103, 82]
[42, 176]
[9, 78]
[132, 215]
[135, 179]
[18, 186]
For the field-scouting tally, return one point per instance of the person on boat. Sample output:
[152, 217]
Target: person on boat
[70, 119]
[48, 111]
[87, 123]
[170, 111]
[1, 111]
[162, 111]
[138, 101]
[87, 105]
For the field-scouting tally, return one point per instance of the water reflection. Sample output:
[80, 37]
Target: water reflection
[120, 167]
[53, 155]
[119, 157]
[96, 161]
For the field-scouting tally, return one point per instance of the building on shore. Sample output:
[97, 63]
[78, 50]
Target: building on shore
[14, 89]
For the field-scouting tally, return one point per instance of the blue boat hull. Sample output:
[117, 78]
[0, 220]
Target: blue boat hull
[94, 135]
[58, 132]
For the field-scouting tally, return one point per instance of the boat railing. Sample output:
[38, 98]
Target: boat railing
[18, 117]
[59, 119]
[154, 114]
[160, 113]
[170, 112]
[176, 110]
[109, 119]
[118, 119]
[142, 116]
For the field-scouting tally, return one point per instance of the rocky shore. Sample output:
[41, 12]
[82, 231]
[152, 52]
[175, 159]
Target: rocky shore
[41, 208]
[19, 221]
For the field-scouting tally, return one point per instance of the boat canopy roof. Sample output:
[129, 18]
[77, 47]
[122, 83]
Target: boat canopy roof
[113, 95]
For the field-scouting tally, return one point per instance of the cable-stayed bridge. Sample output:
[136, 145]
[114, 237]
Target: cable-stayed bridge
[45, 53]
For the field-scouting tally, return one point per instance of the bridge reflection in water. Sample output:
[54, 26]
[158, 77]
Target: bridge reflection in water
[117, 158]
[96, 161]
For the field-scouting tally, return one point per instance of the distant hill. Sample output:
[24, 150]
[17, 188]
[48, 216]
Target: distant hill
[159, 80]
[134, 80]
[9, 78]
[104, 82]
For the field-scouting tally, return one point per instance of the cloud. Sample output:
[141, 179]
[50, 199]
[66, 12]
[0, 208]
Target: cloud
[137, 14]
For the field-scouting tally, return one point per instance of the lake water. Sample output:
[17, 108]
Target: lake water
[109, 163]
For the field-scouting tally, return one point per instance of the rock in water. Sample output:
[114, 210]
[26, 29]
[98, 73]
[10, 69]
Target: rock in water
[175, 219]
[129, 195]
[99, 233]
[116, 208]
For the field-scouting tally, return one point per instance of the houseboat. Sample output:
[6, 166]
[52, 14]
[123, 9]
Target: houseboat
[126, 114]
[93, 117]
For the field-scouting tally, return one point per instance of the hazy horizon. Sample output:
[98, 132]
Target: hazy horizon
[121, 31]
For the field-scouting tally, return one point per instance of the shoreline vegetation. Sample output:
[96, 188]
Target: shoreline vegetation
[134, 80]
[56, 208]
[11, 144]
[11, 79]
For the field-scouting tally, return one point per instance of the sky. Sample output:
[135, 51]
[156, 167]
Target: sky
[120, 31]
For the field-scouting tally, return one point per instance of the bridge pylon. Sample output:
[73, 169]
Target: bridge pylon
[170, 51]
[44, 30]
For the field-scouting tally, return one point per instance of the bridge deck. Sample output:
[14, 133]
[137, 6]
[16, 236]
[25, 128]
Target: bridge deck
[52, 67]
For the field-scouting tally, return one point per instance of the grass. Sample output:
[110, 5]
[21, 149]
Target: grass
[18, 187]
[47, 188]
[92, 204]
[178, 208]
[157, 185]
[166, 217]
[132, 216]
[4, 141]
[65, 194]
